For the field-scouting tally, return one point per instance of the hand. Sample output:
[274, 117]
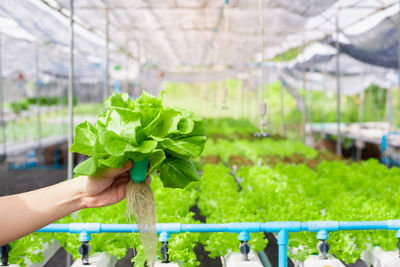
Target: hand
[106, 188]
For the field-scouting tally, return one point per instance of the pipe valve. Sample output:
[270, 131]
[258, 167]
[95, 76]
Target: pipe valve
[244, 250]
[323, 248]
[4, 254]
[164, 252]
[84, 250]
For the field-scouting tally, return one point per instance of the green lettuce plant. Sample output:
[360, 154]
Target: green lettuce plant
[139, 129]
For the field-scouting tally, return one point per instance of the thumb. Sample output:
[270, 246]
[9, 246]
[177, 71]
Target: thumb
[114, 172]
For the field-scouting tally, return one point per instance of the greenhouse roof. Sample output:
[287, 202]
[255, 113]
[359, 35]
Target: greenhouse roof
[191, 33]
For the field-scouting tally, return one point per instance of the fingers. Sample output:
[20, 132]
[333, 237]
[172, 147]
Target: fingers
[114, 172]
[121, 181]
[120, 187]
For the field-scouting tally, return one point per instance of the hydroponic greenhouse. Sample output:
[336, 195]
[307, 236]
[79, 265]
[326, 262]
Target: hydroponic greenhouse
[221, 133]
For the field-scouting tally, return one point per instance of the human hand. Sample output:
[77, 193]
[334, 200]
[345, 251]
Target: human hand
[105, 188]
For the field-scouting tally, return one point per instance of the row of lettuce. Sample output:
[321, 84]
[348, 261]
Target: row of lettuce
[239, 183]
[52, 123]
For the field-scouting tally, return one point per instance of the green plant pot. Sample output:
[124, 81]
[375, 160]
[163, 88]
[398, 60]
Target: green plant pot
[139, 171]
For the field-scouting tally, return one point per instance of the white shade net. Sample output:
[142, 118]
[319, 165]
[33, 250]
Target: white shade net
[178, 33]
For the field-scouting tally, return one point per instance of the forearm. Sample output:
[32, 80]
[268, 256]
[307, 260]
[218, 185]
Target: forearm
[25, 213]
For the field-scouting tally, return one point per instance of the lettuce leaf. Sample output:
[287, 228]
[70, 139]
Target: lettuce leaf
[140, 129]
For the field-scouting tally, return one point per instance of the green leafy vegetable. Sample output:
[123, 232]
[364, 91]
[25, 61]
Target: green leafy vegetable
[140, 129]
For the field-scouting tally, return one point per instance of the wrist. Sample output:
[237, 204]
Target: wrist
[78, 196]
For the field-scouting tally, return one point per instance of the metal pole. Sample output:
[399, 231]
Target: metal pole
[360, 120]
[127, 64]
[37, 87]
[71, 84]
[283, 111]
[310, 94]
[238, 99]
[390, 107]
[2, 122]
[249, 95]
[338, 90]
[304, 91]
[107, 58]
[71, 88]
[262, 103]
[398, 62]
[283, 131]
[323, 112]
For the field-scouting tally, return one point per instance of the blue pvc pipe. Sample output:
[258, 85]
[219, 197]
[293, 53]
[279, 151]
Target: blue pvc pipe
[283, 240]
[242, 228]
[251, 227]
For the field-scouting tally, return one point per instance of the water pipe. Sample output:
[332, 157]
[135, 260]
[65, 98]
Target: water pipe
[283, 240]
[242, 228]
[236, 227]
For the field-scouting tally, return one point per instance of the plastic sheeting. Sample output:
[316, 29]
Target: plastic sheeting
[188, 32]
[378, 46]
[319, 72]
[350, 85]
[19, 60]
[181, 32]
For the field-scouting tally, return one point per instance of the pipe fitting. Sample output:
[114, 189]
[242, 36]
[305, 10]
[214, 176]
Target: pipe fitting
[315, 226]
[244, 236]
[84, 237]
[244, 227]
[85, 227]
[322, 235]
[164, 237]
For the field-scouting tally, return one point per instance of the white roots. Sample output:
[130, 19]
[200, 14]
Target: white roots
[140, 202]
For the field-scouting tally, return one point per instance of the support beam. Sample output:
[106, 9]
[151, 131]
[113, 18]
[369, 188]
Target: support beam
[390, 107]
[282, 99]
[262, 103]
[106, 83]
[323, 112]
[304, 122]
[2, 122]
[209, 43]
[338, 90]
[360, 121]
[127, 64]
[398, 58]
[38, 95]
[71, 84]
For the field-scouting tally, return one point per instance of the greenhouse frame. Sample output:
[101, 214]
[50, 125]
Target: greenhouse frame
[260, 132]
